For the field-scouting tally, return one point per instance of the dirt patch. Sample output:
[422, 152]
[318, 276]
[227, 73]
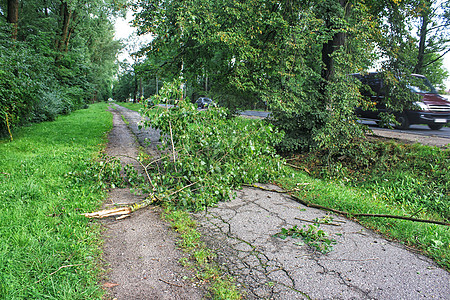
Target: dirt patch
[140, 252]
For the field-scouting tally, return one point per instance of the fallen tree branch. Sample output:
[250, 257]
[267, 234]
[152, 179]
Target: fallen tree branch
[298, 168]
[349, 215]
[143, 167]
[169, 283]
[173, 147]
[275, 190]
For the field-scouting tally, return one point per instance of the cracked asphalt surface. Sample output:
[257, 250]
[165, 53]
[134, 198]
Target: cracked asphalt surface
[362, 264]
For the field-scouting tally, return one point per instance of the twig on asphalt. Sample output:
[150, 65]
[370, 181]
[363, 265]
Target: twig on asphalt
[316, 222]
[169, 283]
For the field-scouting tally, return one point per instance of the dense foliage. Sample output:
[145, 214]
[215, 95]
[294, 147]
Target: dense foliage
[57, 57]
[208, 154]
[294, 56]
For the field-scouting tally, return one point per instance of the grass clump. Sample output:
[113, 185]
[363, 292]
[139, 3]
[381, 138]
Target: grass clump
[47, 249]
[220, 286]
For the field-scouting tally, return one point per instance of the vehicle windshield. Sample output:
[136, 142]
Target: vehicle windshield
[420, 84]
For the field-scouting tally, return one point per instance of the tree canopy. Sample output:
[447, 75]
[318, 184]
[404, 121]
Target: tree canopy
[55, 56]
[295, 56]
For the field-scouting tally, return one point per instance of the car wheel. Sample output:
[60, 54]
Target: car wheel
[435, 126]
[403, 122]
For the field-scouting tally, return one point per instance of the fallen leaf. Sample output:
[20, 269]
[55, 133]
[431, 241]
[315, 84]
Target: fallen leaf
[110, 284]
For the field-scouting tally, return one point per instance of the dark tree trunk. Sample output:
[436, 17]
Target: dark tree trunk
[66, 17]
[135, 91]
[13, 16]
[332, 45]
[423, 37]
[327, 52]
[46, 8]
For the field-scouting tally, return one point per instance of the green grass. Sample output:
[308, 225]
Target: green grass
[221, 286]
[131, 105]
[47, 249]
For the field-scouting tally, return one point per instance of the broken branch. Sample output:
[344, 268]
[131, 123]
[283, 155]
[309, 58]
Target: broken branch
[349, 215]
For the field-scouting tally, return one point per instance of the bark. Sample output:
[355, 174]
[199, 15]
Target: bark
[423, 37]
[13, 16]
[66, 17]
[330, 47]
[135, 90]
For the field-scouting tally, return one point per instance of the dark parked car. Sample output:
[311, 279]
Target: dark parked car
[432, 110]
[204, 102]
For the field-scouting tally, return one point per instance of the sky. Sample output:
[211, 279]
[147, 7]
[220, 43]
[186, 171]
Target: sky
[124, 31]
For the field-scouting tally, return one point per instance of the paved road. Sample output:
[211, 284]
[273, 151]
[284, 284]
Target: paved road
[415, 129]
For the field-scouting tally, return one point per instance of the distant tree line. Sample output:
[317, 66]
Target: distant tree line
[55, 56]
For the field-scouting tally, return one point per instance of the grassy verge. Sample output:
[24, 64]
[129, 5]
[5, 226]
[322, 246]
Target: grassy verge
[406, 180]
[47, 249]
[220, 286]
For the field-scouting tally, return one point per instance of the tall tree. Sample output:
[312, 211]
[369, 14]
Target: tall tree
[433, 23]
[287, 53]
[13, 16]
[63, 57]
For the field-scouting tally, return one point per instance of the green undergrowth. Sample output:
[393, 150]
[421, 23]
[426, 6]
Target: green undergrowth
[413, 177]
[201, 259]
[384, 178]
[48, 177]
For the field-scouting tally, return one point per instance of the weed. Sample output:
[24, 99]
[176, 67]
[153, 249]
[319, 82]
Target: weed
[125, 120]
[220, 286]
[313, 236]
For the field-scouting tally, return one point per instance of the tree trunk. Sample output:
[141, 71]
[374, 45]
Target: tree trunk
[135, 91]
[13, 16]
[423, 37]
[66, 17]
[332, 45]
